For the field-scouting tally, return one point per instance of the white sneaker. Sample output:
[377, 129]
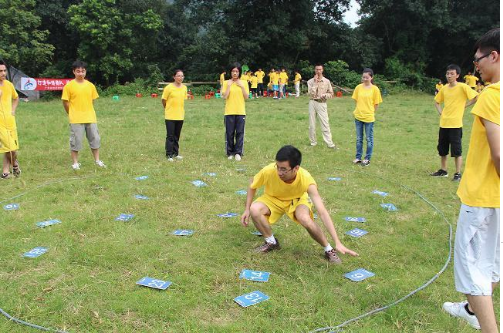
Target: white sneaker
[170, 159]
[230, 157]
[314, 144]
[458, 310]
[76, 166]
[179, 157]
[100, 164]
[237, 157]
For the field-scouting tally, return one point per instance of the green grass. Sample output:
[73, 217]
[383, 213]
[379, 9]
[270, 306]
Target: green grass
[86, 281]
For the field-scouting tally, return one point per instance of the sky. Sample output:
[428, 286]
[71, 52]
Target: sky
[351, 16]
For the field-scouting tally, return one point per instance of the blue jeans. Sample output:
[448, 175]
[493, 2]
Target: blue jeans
[369, 132]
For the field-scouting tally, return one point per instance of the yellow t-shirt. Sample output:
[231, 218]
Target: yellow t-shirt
[298, 77]
[454, 99]
[366, 99]
[439, 86]
[260, 76]
[235, 102]
[222, 79]
[471, 80]
[80, 97]
[284, 78]
[9, 93]
[480, 185]
[175, 101]
[274, 78]
[277, 188]
[254, 82]
[244, 77]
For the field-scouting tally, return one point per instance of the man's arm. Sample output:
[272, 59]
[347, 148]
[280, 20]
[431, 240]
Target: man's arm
[312, 190]
[493, 137]
[15, 103]
[471, 102]
[66, 105]
[439, 108]
[249, 199]
[227, 92]
[163, 103]
[330, 91]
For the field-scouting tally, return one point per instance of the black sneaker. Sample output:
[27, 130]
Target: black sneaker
[332, 257]
[439, 173]
[268, 247]
[457, 177]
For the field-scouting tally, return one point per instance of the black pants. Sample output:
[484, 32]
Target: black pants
[234, 134]
[260, 88]
[173, 130]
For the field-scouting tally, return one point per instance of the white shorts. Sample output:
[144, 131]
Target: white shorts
[477, 250]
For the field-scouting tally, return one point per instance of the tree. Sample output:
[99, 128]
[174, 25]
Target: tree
[22, 44]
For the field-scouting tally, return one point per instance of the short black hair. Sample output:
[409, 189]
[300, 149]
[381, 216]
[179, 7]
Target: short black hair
[235, 65]
[490, 41]
[454, 67]
[291, 154]
[3, 63]
[318, 64]
[176, 71]
[78, 64]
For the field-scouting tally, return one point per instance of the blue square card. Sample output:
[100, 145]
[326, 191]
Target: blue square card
[36, 252]
[356, 232]
[183, 232]
[154, 283]
[252, 298]
[124, 217]
[359, 275]
[11, 207]
[47, 223]
[389, 207]
[254, 275]
[355, 219]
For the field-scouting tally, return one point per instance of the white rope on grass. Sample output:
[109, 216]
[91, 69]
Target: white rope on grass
[339, 328]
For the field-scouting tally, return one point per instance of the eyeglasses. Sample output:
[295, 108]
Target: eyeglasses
[476, 60]
[282, 170]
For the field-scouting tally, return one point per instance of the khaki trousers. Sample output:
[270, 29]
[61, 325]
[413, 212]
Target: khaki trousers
[319, 109]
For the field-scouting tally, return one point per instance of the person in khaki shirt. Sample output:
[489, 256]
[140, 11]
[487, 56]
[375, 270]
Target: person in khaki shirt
[319, 90]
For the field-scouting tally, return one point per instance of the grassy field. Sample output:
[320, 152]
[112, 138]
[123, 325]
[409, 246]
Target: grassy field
[86, 280]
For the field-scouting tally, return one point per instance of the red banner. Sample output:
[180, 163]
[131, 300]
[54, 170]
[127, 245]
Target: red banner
[28, 83]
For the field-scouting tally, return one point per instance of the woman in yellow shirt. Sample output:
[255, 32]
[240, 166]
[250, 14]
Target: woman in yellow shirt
[438, 86]
[367, 97]
[235, 91]
[173, 101]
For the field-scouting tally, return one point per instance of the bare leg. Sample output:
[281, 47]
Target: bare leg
[483, 308]
[458, 161]
[314, 230]
[6, 163]
[75, 156]
[443, 162]
[96, 154]
[259, 213]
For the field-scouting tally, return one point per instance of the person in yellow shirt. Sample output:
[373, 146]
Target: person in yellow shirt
[480, 87]
[477, 244]
[283, 76]
[438, 86]
[253, 85]
[367, 97]
[289, 189]
[222, 79]
[173, 102]
[296, 82]
[78, 97]
[9, 145]
[270, 86]
[235, 92]
[454, 96]
[275, 84]
[260, 83]
[471, 80]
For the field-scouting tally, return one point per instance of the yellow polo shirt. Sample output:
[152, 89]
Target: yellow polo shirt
[260, 76]
[235, 102]
[284, 78]
[175, 101]
[480, 185]
[9, 93]
[80, 96]
[366, 99]
[454, 99]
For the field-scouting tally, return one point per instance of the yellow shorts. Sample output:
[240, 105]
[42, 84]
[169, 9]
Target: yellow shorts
[8, 140]
[279, 207]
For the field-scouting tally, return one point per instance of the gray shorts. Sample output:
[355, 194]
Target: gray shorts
[77, 134]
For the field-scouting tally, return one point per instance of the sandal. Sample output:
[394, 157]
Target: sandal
[5, 175]
[16, 170]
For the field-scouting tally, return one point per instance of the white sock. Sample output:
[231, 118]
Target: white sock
[270, 240]
[328, 248]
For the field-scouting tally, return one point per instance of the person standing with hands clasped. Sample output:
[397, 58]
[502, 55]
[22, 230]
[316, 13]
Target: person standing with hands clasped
[319, 90]
[367, 97]
[173, 101]
[235, 92]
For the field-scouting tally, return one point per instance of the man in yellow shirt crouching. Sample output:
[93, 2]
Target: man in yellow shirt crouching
[288, 188]
[78, 96]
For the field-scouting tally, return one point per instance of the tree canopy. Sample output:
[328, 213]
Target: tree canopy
[129, 39]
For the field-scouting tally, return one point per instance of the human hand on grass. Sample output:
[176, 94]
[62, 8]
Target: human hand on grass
[344, 250]
[245, 218]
